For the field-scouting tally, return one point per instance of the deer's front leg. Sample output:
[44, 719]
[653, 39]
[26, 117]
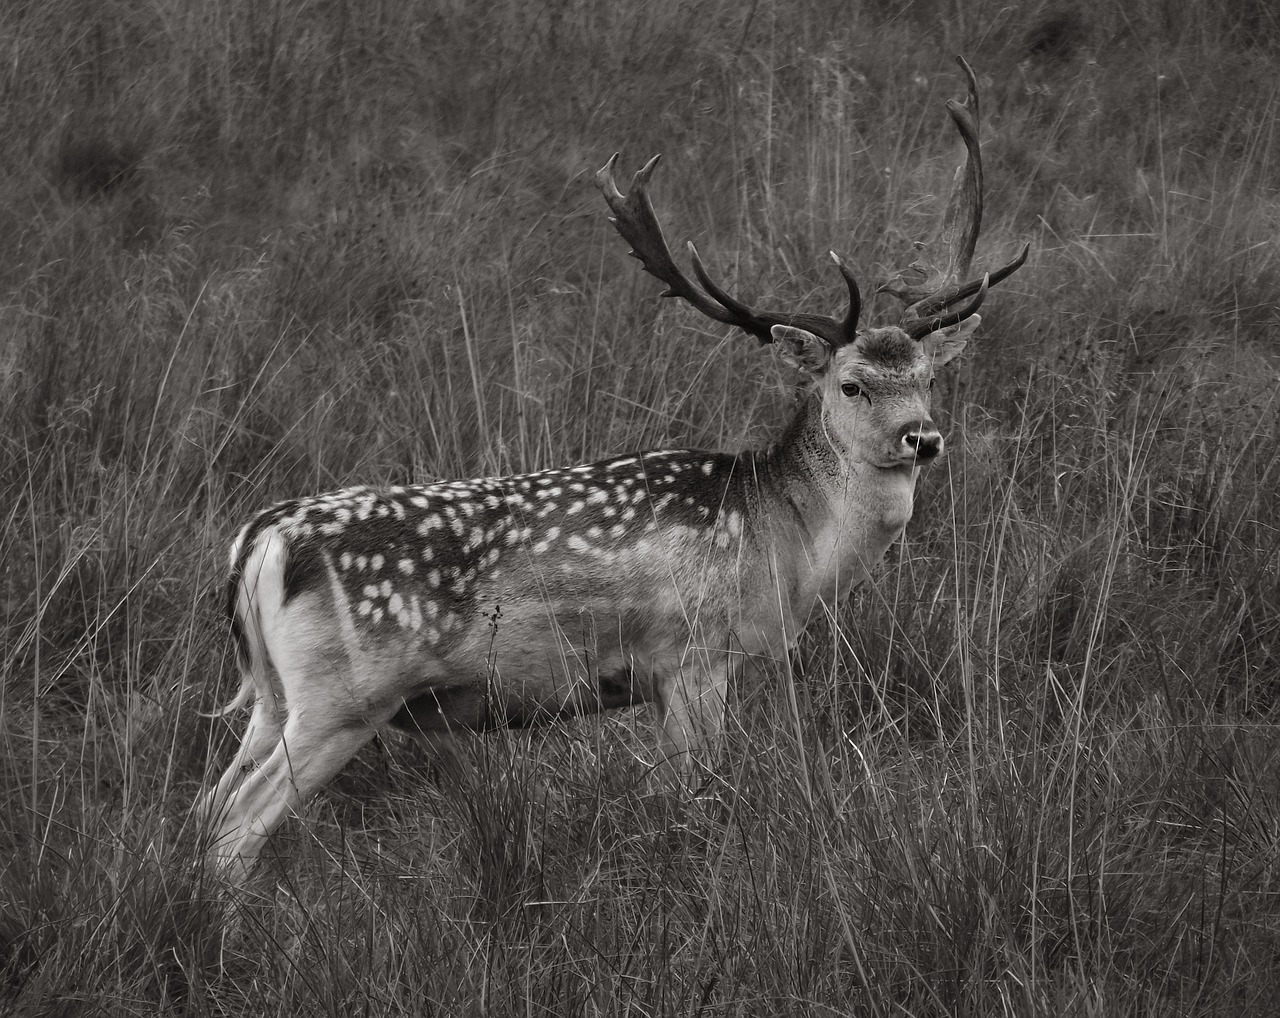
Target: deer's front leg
[690, 707]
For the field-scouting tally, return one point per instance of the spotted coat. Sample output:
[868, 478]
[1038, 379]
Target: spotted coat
[442, 567]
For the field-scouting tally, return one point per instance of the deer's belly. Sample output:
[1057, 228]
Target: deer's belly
[555, 661]
[482, 707]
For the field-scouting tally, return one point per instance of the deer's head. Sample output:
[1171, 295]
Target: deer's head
[874, 382]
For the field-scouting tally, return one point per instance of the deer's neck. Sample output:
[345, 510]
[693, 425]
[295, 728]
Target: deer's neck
[839, 512]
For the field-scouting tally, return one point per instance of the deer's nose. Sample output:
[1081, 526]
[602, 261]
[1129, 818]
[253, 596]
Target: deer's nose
[921, 440]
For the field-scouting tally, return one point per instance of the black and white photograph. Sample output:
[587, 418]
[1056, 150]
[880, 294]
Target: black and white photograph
[648, 508]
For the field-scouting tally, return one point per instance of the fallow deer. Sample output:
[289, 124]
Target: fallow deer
[651, 577]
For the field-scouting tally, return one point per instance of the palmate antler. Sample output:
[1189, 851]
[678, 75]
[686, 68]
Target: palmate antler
[634, 217]
[927, 304]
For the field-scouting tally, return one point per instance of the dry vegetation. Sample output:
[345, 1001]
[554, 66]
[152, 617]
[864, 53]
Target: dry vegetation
[256, 250]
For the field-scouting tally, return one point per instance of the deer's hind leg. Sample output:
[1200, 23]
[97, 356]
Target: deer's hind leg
[337, 697]
[313, 747]
[261, 736]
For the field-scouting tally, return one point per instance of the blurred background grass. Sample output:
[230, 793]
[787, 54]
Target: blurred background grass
[258, 250]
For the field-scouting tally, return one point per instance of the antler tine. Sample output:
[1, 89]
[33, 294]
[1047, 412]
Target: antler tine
[936, 302]
[850, 323]
[919, 329]
[835, 333]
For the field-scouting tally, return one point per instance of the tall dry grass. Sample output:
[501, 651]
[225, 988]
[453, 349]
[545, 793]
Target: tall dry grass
[259, 250]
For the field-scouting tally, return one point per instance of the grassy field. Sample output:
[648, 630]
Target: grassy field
[260, 250]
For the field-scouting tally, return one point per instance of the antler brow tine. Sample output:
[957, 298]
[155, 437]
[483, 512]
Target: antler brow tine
[918, 330]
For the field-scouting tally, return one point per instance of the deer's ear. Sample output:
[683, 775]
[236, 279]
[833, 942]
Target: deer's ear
[946, 344]
[801, 348]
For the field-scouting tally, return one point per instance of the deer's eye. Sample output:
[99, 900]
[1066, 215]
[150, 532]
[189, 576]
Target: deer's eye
[852, 389]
